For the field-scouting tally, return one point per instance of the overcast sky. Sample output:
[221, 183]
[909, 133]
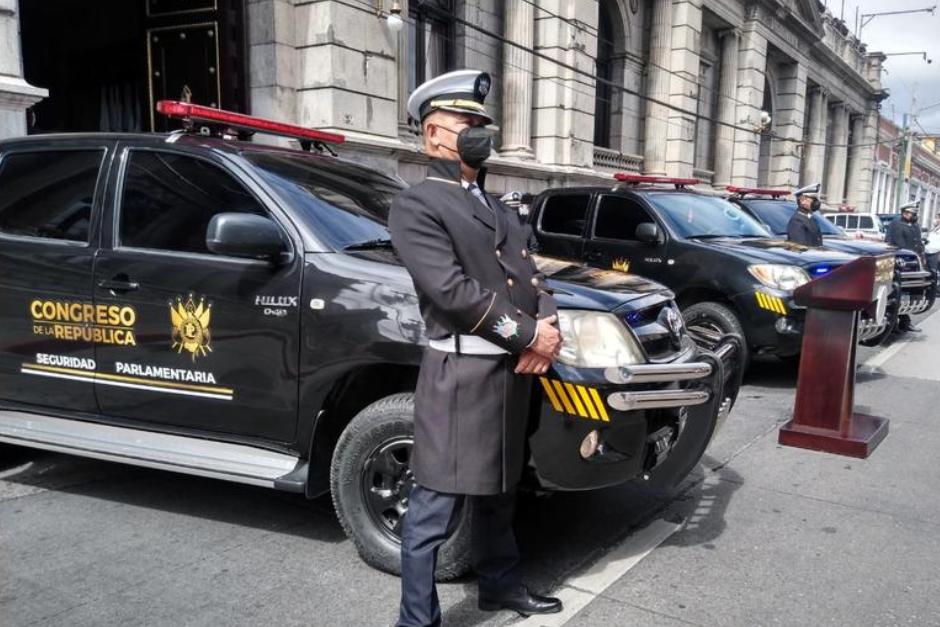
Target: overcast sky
[902, 33]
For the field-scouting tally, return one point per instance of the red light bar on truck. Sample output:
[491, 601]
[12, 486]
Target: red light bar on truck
[198, 113]
[757, 191]
[637, 179]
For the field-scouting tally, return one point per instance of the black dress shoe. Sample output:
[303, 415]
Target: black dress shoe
[521, 601]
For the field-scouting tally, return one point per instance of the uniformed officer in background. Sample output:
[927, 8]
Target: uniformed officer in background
[491, 324]
[932, 247]
[905, 233]
[802, 227]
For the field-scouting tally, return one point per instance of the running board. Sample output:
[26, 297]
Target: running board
[191, 456]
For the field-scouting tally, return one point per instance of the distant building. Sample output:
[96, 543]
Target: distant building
[923, 183]
[683, 83]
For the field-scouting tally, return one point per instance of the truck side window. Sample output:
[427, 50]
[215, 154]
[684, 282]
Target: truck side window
[565, 214]
[618, 217]
[49, 193]
[169, 200]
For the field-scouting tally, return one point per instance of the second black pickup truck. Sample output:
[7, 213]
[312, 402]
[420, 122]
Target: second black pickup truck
[729, 274]
[914, 286]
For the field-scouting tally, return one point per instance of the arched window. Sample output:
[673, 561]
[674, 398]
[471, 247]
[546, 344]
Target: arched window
[605, 95]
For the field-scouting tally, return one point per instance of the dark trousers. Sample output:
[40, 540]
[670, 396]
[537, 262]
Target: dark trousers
[933, 260]
[430, 519]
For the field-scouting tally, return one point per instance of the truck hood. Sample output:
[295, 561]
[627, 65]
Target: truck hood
[858, 246]
[577, 286]
[779, 251]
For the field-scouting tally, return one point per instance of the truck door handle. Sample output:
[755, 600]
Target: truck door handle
[118, 283]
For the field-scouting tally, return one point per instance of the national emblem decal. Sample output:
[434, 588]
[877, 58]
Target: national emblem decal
[506, 327]
[621, 265]
[191, 326]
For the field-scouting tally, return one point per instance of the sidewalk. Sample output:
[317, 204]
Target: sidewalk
[784, 536]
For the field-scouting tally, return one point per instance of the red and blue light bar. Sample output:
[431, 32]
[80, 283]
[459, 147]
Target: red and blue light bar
[199, 113]
[757, 191]
[639, 179]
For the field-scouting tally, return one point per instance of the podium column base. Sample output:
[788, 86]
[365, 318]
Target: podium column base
[865, 433]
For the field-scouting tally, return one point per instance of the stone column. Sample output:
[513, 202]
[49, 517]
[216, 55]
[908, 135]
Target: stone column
[788, 125]
[864, 158]
[752, 68]
[654, 150]
[685, 62]
[16, 95]
[519, 16]
[855, 193]
[727, 103]
[835, 181]
[563, 103]
[814, 151]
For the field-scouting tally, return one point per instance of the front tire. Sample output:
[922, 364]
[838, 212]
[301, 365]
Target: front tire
[370, 480]
[708, 321]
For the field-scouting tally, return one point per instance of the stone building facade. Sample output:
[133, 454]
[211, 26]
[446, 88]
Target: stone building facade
[922, 184]
[582, 88]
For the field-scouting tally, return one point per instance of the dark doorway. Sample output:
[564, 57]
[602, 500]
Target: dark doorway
[107, 63]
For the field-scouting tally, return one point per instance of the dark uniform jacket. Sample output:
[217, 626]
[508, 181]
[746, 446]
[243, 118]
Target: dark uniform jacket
[802, 229]
[905, 235]
[473, 276]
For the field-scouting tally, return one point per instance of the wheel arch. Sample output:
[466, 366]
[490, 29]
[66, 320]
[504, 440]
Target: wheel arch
[698, 294]
[349, 394]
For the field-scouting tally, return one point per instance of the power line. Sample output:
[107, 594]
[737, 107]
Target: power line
[613, 84]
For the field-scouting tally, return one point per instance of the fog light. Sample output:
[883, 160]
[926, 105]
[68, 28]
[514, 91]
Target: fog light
[590, 444]
[784, 325]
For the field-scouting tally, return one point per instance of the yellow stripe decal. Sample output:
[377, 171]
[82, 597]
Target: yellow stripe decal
[783, 308]
[761, 300]
[586, 397]
[142, 381]
[600, 404]
[563, 396]
[550, 393]
[577, 401]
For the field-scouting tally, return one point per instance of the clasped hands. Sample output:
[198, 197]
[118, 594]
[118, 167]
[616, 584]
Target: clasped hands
[537, 358]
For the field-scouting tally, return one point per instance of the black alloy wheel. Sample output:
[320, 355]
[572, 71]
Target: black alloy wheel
[371, 481]
[387, 481]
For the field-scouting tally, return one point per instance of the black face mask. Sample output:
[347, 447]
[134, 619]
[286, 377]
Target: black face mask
[814, 206]
[474, 144]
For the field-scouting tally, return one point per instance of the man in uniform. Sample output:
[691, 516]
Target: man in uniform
[491, 325]
[932, 247]
[802, 228]
[905, 233]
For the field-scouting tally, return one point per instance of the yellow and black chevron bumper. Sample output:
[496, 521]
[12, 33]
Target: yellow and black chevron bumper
[577, 400]
[771, 303]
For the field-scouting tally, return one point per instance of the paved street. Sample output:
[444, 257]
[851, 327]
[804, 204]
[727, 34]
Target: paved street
[771, 535]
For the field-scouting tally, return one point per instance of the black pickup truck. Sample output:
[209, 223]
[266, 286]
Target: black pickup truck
[914, 289]
[729, 274]
[221, 308]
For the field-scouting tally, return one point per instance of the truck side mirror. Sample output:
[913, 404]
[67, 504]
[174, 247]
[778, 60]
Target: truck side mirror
[648, 232]
[244, 235]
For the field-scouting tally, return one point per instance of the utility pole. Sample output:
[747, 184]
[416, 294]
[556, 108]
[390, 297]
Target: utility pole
[904, 154]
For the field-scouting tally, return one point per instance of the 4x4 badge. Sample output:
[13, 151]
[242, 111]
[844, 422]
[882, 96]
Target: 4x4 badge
[191, 326]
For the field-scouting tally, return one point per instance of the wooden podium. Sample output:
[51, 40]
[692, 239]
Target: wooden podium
[823, 418]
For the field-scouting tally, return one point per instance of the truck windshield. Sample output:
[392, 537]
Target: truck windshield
[776, 215]
[691, 215]
[345, 203]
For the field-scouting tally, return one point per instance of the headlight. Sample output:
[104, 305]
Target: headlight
[595, 339]
[779, 277]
